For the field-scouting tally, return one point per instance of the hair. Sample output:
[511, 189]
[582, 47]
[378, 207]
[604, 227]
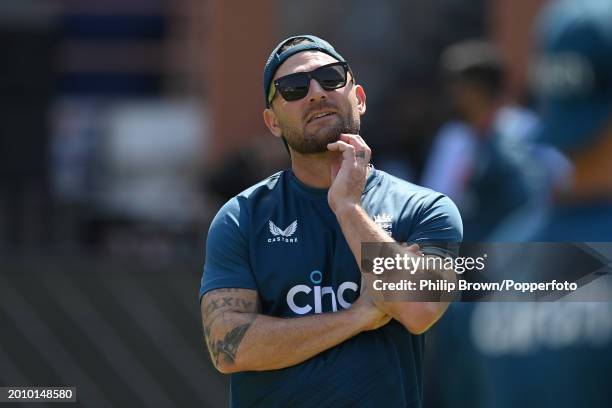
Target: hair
[292, 43]
[300, 40]
[477, 62]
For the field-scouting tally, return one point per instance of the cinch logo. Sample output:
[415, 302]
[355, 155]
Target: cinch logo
[285, 235]
[337, 297]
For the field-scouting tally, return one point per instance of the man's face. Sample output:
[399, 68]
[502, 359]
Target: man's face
[468, 98]
[319, 118]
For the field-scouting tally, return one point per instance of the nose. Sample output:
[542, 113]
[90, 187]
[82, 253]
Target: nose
[316, 92]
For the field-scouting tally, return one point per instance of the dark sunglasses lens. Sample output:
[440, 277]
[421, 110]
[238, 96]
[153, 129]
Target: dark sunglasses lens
[332, 77]
[294, 87]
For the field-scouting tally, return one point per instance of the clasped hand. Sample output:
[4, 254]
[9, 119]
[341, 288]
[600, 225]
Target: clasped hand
[349, 174]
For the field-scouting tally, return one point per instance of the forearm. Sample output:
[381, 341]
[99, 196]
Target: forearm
[417, 316]
[419, 311]
[357, 228]
[256, 342]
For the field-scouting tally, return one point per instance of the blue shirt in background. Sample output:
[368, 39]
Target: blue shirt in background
[529, 354]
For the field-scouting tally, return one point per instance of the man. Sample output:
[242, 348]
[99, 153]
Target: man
[572, 77]
[552, 354]
[573, 80]
[484, 160]
[280, 294]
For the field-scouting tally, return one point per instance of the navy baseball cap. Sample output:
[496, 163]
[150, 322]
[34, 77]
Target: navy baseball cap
[572, 73]
[275, 60]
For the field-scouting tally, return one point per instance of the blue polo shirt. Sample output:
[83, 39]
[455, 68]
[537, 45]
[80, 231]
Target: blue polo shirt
[281, 238]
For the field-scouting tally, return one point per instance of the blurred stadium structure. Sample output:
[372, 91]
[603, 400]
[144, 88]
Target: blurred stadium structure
[125, 124]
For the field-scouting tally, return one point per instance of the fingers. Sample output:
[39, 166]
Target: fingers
[352, 146]
[347, 150]
[348, 137]
[416, 249]
[340, 146]
[362, 150]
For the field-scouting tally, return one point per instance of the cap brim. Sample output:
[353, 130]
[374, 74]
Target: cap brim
[571, 125]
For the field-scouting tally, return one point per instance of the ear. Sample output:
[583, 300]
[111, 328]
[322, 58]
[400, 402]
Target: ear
[361, 99]
[271, 122]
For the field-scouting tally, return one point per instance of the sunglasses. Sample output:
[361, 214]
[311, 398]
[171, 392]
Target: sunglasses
[295, 86]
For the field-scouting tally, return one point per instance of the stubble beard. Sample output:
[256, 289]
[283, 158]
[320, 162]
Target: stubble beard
[316, 142]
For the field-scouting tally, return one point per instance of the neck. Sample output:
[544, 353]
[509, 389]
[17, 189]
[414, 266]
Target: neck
[314, 170]
[592, 178]
[482, 117]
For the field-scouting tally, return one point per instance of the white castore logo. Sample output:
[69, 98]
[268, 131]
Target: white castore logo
[281, 235]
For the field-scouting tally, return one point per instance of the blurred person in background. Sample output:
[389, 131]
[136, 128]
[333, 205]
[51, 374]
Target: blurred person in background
[245, 167]
[485, 159]
[550, 354]
[572, 78]
[280, 295]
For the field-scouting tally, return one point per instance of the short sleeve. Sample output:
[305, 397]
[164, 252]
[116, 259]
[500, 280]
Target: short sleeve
[437, 226]
[226, 262]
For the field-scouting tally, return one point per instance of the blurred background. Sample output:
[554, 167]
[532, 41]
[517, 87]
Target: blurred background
[126, 124]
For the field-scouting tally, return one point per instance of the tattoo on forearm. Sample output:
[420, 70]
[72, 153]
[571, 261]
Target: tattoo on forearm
[216, 306]
[218, 303]
[228, 347]
[211, 306]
